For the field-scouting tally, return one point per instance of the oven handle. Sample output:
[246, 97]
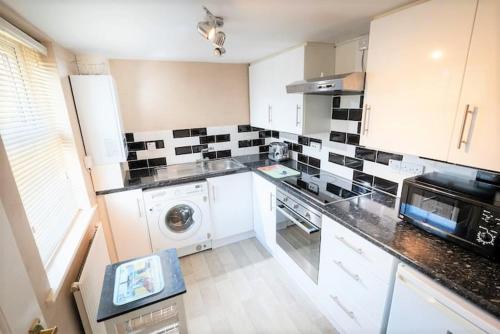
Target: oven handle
[296, 222]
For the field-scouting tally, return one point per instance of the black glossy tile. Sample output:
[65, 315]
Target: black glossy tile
[302, 167]
[254, 128]
[303, 140]
[160, 144]
[352, 139]
[195, 132]
[224, 154]
[275, 134]
[315, 162]
[384, 157]
[244, 128]
[336, 158]
[258, 142]
[339, 137]
[209, 155]
[181, 133]
[198, 148]
[336, 102]
[136, 146]
[131, 156]
[290, 145]
[359, 128]
[314, 140]
[365, 154]
[129, 137]
[340, 114]
[355, 114]
[135, 164]
[303, 158]
[183, 150]
[222, 138]
[385, 185]
[244, 143]
[265, 134]
[353, 163]
[156, 162]
[207, 139]
[297, 148]
[135, 173]
[264, 149]
[363, 178]
[361, 99]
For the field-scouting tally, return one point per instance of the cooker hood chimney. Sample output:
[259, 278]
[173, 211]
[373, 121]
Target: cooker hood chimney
[340, 84]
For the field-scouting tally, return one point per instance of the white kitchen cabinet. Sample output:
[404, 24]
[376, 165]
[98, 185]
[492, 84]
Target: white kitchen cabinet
[355, 280]
[476, 135]
[128, 223]
[414, 74]
[231, 204]
[270, 105]
[419, 305]
[264, 212]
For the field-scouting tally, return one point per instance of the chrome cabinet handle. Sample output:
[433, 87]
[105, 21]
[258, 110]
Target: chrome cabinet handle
[297, 115]
[350, 314]
[213, 193]
[139, 207]
[269, 113]
[367, 109]
[345, 242]
[270, 201]
[344, 269]
[462, 129]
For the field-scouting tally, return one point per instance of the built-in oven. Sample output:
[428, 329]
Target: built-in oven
[298, 232]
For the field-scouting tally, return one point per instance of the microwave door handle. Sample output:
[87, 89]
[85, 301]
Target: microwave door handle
[296, 222]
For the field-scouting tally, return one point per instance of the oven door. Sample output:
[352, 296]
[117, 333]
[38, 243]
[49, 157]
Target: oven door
[299, 239]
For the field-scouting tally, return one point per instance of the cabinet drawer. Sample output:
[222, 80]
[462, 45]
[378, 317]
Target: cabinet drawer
[348, 247]
[357, 287]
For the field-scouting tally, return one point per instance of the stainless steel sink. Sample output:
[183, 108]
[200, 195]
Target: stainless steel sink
[204, 167]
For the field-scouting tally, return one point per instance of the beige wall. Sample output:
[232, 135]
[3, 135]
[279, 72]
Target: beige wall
[159, 95]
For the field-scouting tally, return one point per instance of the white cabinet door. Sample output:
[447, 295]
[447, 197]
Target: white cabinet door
[260, 99]
[480, 94]
[420, 305]
[264, 211]
[231, 204]
[414, 73]
[128, 223]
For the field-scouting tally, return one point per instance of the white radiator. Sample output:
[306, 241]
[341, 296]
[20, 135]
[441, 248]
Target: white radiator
[87, 291]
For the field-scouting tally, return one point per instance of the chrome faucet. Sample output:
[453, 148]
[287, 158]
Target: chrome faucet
[203, 159]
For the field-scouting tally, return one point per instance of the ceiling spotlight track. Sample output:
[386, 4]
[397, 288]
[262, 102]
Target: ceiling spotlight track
[210, 29]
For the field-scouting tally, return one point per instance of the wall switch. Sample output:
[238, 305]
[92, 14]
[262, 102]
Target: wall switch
[315, 145]
[151, 145]
[363, 43]
[407, 168]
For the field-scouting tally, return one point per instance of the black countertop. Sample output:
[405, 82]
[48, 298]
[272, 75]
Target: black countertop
[375, 217]
[174, 286]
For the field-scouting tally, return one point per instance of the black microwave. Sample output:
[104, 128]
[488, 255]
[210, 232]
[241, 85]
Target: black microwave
[460, 210]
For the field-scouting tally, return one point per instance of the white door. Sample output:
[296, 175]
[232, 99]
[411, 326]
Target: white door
[128, 223]
[287, 111]
[480, 94]
[231, 204]
[415, 67]
[264, 211]
[260, 99]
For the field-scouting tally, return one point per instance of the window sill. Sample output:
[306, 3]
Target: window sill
[58, 269]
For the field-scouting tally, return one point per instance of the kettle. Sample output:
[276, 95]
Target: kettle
[278, 151]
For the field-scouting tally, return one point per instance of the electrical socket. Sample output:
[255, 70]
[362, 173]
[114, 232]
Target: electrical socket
[315, 145]
[363, 44]
[408, 168]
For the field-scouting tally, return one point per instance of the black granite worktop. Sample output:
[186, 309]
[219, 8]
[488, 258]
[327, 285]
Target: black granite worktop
[375, 217]
[174, 286]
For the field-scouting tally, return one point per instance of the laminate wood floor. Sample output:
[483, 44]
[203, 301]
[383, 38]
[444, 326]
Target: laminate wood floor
[241, 288]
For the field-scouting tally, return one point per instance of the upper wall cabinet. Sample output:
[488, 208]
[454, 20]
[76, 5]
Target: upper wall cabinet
[272, 108]
[476, 136]
[415, 68]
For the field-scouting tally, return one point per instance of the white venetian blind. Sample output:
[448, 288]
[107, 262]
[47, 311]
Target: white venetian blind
[35, 132]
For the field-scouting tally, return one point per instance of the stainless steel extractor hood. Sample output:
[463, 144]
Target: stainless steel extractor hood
[339, 84]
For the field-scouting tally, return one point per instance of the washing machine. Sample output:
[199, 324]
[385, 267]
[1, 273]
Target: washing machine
[179, 217]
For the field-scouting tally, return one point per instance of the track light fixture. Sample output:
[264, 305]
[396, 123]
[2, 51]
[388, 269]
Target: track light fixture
[210, 29]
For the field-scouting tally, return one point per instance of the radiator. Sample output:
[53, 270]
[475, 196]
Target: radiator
[87, 290]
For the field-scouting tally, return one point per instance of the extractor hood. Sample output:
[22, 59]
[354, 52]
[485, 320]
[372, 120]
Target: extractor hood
[339, 84]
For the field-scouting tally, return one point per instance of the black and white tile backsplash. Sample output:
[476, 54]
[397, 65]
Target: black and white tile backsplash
[151, 149]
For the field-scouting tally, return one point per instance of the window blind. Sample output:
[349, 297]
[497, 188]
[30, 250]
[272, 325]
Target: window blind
[37, 138]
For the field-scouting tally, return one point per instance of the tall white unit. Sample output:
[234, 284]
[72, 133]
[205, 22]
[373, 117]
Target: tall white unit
[101, 126]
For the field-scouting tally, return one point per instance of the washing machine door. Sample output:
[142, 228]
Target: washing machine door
[180, 220]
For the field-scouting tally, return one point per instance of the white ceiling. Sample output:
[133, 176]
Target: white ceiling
[166, 29]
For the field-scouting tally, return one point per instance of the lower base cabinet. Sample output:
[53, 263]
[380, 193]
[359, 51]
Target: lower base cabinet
[420, 305]
[129, 226]
[264, 212]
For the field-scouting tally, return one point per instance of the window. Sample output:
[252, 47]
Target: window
[35, 131]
